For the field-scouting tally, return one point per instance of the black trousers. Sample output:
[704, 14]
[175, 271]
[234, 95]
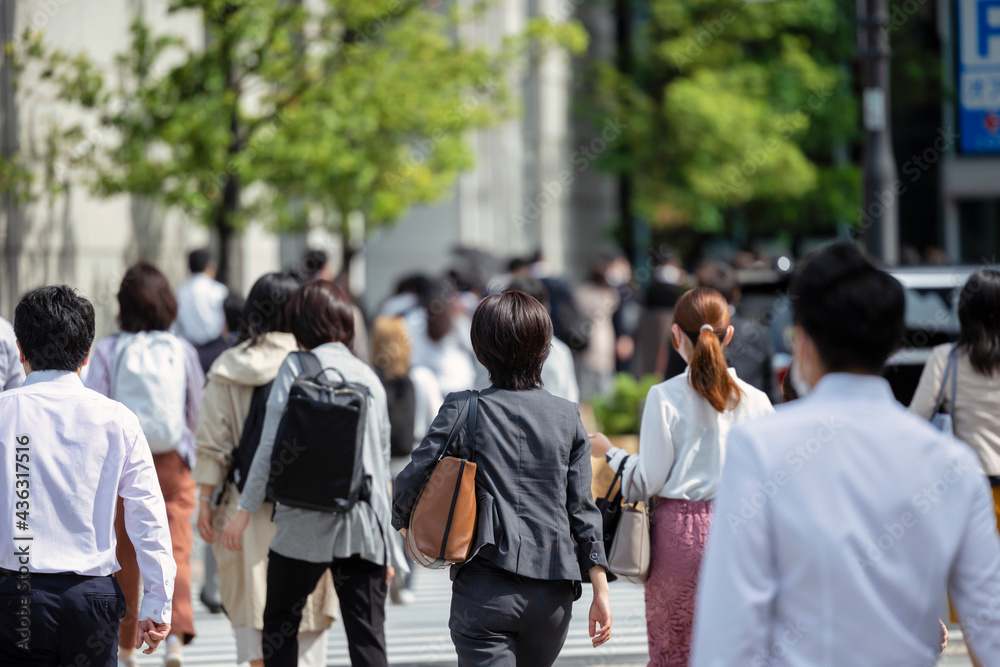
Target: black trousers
[499, 618]
[59, 619]
[361, 588]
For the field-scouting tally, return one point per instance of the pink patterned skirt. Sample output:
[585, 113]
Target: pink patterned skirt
[678, 535]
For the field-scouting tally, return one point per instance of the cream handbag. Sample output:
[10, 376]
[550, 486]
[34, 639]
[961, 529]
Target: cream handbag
[629, 557]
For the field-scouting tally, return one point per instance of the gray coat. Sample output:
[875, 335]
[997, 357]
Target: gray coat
[319, 537]
[536, 517]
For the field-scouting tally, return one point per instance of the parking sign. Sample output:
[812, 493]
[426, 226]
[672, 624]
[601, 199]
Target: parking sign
[979, 76]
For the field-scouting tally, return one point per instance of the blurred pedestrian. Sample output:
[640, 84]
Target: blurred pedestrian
[413, 399]
[251, 366]
[539, 533]
[440, 338]
[598, 301]
[232, 307]
[158, 376]
[966, 376]
[652, 334]
[72, 454]
[200, 316]
[316, 265]
[843, 515]
[558, 373]
[356, 545]
[11, 370]
[751, 354]
[626, 317]
[682, 447]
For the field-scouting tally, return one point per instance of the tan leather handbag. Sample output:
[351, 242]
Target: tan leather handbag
[629, 557]
[443, 521]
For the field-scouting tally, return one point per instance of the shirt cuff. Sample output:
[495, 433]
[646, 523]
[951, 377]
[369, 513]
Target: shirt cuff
[398, 522]
[158, 611]
[615, 457]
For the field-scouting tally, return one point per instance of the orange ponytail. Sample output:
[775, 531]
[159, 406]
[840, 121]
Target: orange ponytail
[708, 372]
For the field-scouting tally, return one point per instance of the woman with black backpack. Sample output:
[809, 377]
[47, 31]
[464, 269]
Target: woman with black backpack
[231, 420]
[324, 458]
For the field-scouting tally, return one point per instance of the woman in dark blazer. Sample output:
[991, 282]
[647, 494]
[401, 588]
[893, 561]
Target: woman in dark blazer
[538, 531]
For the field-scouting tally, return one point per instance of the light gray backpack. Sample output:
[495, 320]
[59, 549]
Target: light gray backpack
[150, 379]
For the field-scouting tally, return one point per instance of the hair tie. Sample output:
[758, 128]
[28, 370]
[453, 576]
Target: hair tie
[707, 326]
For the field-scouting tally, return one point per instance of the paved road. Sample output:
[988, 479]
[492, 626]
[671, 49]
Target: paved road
[418, 634]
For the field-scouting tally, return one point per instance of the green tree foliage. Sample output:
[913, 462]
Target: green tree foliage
[738, 111]
[287, 115]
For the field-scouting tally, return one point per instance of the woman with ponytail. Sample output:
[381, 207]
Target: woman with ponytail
[682, 447]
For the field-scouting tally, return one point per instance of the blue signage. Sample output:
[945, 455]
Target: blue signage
[979, 76]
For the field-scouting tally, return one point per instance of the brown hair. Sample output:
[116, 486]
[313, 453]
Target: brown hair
[320, 312]
[709, 375]
[390, 347]
[145, 300]
[511, 335]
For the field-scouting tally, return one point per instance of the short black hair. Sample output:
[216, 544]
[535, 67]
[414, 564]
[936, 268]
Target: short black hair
[312, 262]
[511, 336]
[232, 308]
[198, 260]
[55, 326]
[851, 309]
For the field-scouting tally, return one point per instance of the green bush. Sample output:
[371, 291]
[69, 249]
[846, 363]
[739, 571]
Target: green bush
[619, 412]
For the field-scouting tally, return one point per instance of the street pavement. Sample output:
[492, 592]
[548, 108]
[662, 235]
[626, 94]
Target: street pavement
[417, 634]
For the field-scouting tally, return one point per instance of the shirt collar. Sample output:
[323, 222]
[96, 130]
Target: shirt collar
[853, 385]
[58, 377]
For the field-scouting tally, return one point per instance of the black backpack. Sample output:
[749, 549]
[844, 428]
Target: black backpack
[316, 463]
[239, 469]
[401, 398]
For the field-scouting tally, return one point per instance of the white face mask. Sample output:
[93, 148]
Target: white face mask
[800, 386]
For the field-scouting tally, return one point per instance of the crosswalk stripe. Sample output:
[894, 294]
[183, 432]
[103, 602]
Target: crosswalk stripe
[418, 633]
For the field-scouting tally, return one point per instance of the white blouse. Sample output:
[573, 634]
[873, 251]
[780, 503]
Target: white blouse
[682, 441]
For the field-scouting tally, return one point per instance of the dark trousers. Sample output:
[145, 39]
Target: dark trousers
[499, 618]
[361, 588]
[59, 619]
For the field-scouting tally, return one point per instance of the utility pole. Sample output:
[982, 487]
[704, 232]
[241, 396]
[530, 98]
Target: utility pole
[880, 216]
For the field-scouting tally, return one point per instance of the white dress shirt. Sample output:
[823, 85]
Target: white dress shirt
[200, 317]
[559, 372]
[11, 370]
[839, 524]
[78, 452]
[682, 441]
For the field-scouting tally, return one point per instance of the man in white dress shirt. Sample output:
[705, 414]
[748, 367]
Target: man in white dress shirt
[200, 315]
[842, 520]
[67, 454]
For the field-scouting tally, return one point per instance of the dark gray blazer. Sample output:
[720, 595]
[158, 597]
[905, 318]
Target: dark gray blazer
[536, 515]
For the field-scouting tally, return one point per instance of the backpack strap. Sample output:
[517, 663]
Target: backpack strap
[311, 365]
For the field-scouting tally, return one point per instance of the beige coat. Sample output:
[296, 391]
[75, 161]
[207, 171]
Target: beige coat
[243, 575]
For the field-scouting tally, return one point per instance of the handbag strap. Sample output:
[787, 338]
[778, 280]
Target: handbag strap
[470, 429]
[467, 418]
[614, 480]
[950, 370]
